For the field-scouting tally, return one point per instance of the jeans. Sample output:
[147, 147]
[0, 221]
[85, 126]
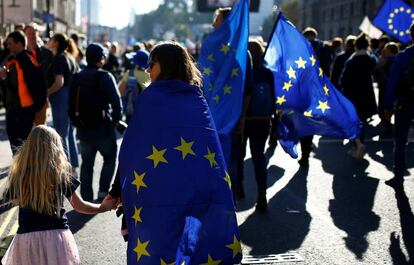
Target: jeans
[19, 124]
[89, 146]
[59, 103]
[257, 131]
[404, 114]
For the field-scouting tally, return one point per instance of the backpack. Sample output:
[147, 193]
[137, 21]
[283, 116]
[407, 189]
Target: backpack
[133, 89]
[87, 102]
[262, 103]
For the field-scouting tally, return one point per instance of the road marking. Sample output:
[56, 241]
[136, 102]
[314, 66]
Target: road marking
[7, 220]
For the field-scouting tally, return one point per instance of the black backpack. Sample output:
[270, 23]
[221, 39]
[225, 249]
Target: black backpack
[87, 102]
[262, 103]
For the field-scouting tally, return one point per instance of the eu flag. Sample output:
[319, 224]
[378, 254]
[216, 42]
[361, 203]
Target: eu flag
[395, 17]
[307, 102]
[175, 188]
[223, 64]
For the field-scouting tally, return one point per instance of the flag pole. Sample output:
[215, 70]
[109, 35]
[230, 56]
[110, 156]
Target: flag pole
[273, 31]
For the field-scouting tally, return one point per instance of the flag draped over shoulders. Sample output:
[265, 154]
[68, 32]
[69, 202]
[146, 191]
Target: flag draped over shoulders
[307, 102]
[222, 62]
[175, 188]
[395, 18]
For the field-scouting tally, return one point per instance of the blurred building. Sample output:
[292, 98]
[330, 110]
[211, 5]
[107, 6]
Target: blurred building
[61, 16]
[336, 17]
[257, 18]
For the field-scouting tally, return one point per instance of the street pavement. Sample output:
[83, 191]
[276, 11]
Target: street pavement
[336, 211]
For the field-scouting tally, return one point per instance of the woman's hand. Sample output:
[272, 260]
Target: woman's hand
[109, 203]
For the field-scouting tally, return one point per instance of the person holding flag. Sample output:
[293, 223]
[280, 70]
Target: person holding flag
[176, 191]
[306, 101]
[227, 83]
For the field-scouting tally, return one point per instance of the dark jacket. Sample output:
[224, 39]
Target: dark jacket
[402, 62]
[32, 88]
[338, 67]
[108, 93]
[357, 83]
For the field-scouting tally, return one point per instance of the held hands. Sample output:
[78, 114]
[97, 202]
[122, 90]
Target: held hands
[109, 203]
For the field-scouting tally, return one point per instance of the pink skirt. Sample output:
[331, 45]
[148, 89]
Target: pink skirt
[51, 247]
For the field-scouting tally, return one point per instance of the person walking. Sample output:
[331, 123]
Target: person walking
[357, 83]
[39, 178]
[95, 109]
[60, 77]
[258, 118]
[399, 98]
[175, 189]
[25, 89]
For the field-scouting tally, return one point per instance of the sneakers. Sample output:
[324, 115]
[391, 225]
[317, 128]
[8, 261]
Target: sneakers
[395, 182]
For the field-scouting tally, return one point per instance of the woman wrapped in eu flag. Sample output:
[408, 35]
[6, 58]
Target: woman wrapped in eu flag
[175, 188]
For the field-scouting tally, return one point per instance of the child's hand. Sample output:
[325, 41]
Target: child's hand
[109, 203]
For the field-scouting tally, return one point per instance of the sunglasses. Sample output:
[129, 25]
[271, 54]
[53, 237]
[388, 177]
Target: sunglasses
[151, 64]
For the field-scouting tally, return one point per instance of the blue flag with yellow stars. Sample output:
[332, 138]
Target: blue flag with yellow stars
[395, 18]
[307, 102]
[222, 62]
[175, 189]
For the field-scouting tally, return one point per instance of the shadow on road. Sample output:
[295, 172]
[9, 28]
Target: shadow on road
[77, 220]
[286, 222]
[407, 229]
[354, 194]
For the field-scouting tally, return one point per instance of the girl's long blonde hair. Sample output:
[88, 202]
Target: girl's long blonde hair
[40, 172]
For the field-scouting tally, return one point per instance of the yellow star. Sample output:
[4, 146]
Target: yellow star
[211, 157]
[217, 99]
[323, 106]
[313, 60]
[227, 179]
[308, 113]
[235, 246]
[207, 71]
[325, 88]
[301, 63]
[165, 263]
[141, 249]
[137, 215]
[210, 261]
[139, 180]
[235, 72]
[320, 72]
[157, 156]
[185, 148]
[225, 48]
[210, 57]
[291, 73]
[287, 85]
[227, 89]
[281, 100]
[210, 87]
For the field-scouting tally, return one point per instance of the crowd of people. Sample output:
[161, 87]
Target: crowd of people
[94, 92]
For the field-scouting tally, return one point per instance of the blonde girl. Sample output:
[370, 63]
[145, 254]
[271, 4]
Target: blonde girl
[39, 177]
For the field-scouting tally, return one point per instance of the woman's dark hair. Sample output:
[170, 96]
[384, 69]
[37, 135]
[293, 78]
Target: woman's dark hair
[362, 42]
[62, 40]
[257, 51]
[175, 63]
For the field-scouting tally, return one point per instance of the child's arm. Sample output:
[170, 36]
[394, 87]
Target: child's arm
[85, 207]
